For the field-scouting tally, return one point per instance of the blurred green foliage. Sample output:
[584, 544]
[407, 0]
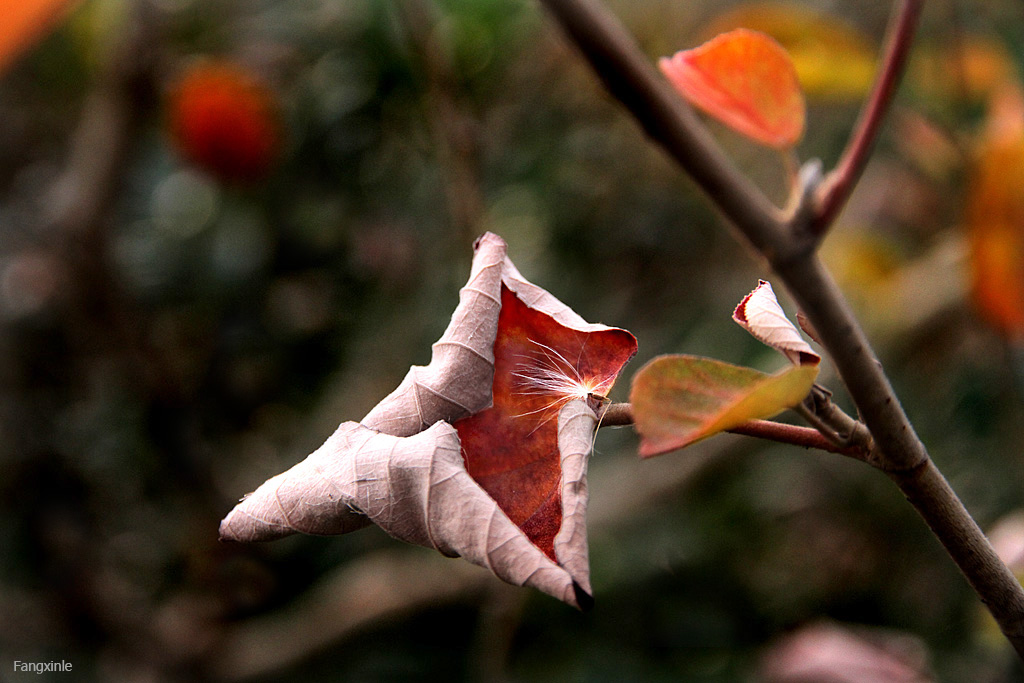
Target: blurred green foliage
[168, 341]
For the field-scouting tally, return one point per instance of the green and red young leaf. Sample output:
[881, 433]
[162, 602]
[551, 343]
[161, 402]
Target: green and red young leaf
[746, 80]
[511, 448]
[679, 400]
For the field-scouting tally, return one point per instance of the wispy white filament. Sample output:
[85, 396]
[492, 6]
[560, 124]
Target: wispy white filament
[547, 373]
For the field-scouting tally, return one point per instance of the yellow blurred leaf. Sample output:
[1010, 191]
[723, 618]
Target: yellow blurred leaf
[833, 60]
[972, 68]
[23, 22]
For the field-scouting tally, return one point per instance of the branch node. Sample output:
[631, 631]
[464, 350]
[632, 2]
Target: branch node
[850, 435]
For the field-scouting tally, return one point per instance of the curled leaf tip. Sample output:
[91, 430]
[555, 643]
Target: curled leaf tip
[584, 600]
[760, 314]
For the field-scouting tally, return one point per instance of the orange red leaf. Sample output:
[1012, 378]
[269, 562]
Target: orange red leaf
[746, 80]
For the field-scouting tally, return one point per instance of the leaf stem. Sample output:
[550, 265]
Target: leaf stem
[621, 414]
[839, 183]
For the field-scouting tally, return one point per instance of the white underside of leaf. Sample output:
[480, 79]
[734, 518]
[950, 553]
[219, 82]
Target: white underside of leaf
[418, 490]
[576, 426]
[760, 314]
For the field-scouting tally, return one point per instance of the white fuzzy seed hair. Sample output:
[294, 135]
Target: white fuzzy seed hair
[547, 373]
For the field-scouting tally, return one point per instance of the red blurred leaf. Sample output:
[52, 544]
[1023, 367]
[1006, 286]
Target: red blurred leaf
[224, 120]
[23, 22]
[746, 80]
[511, 448]
[679, 400]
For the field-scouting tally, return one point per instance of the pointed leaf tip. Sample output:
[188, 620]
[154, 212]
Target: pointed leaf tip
[584, 600]
[747, 81]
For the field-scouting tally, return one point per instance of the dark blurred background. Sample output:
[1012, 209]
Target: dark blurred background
[225, 227]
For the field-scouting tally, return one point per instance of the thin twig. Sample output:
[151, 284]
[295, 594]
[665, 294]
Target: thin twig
[830, 418]
[621, 414]
[839, 184]
[628, 75]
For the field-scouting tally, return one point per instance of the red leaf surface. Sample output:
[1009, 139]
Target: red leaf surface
[746, 80]
[511, 448]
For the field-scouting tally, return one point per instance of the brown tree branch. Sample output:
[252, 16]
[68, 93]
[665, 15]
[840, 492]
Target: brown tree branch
[839, 184]
[629, 76]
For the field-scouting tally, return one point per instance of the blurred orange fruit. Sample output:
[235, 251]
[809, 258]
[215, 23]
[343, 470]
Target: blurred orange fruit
[225, 121]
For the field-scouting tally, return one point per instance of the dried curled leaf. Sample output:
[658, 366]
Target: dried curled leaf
[760, 314]
[479, 496]
[417, 489]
